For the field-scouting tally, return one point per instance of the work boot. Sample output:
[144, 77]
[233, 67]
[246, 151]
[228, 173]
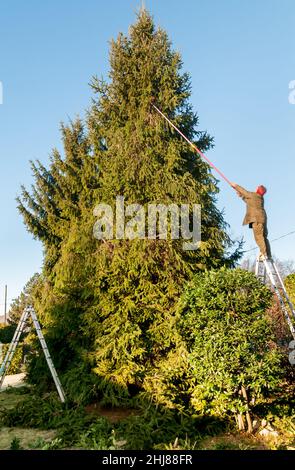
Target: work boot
[263, 257]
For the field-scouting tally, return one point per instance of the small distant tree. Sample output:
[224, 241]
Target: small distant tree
[231, 354]
[22, 301]
[248, 264]
[285, 267]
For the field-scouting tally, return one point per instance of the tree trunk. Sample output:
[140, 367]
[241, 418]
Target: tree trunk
[241, 424]
[248, 417]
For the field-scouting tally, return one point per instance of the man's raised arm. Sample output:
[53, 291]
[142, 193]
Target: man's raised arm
[242, 192]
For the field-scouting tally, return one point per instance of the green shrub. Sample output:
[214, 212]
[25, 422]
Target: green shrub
[16, 365]
[34, 411]
[227, 356]
[228, 334]
[42, 444]
[15, 444]
[98, 436]
[156, 427]
[6, 333]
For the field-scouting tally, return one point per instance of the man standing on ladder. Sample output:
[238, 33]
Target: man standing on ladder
[256, 216]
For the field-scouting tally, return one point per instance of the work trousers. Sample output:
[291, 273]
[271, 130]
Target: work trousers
[260, 234]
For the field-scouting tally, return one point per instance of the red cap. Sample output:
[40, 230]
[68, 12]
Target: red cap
[261, 190]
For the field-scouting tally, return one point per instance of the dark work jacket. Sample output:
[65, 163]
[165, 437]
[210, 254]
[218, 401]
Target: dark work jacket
[255, 206]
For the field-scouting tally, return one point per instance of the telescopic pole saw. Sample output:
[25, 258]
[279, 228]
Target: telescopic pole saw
[193, 145]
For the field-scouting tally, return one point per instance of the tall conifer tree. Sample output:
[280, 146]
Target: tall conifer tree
[113, 302]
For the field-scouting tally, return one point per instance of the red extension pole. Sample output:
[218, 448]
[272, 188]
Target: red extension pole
[194, 146]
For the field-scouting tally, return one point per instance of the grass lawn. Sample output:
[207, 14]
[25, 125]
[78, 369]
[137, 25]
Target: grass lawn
[15, 437]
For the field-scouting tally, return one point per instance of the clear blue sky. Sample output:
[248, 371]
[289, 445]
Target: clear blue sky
[240, 55]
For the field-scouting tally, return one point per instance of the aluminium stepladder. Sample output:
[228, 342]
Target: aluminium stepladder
[29, 311]
[267, 267]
